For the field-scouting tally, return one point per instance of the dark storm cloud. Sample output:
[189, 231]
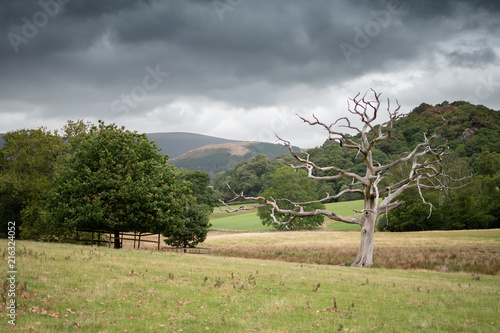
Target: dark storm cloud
[281, 42]
[87, 54]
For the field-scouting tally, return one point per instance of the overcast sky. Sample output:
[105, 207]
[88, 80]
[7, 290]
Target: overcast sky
[238, 69]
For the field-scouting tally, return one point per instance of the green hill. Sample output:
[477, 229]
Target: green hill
[220, 157]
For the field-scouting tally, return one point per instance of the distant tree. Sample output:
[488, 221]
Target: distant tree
[251, 177]
[475, 207]
[193, 228]
[116, 180]
[199, 183]
[414, 216]
[27, 164]
[425, 173]
[296, 187]
[486, 187]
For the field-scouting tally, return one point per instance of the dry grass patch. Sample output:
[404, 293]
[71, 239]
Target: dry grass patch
[475, 251]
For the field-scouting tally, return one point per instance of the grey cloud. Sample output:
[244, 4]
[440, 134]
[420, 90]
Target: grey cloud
[473, 59]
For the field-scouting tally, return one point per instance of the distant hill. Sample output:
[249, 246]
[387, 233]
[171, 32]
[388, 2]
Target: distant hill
[219, 157]
[176, 144]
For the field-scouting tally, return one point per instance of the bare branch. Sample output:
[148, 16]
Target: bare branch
[311, 166]
[298, 212]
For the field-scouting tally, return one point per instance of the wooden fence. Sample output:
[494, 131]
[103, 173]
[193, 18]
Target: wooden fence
[137, 237]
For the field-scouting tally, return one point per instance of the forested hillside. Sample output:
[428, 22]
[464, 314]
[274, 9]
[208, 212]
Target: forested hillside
[473, 135]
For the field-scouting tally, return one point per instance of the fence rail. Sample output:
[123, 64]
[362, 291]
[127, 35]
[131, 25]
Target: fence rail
[190, 250]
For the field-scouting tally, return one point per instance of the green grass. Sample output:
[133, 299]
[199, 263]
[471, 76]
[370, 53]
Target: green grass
[240, 222]
[345, 208]
[249, 221]
[63, 288]
[340, 226]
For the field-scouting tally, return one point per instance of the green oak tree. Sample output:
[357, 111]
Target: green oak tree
[199, 183]
[116, 180]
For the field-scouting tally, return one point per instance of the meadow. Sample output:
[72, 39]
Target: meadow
[66, 288]
[249, 221]
[255, 280]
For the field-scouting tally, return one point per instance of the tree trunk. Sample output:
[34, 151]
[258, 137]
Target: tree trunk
[365, 254]
[118, 244]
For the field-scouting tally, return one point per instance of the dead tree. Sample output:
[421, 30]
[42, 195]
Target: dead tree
[425, 172]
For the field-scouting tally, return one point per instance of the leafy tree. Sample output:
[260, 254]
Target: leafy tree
[76, 131]
[414, 216]
[191, 230]
[485, 190]
[194, 226]
[251, 177]
[474, 207]
[296, 187]
[116, 180]
[199, 183]
[27, 164]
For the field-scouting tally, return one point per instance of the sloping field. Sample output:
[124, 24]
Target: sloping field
[67, 288]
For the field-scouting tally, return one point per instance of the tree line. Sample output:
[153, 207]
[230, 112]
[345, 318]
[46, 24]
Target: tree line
[99, 177]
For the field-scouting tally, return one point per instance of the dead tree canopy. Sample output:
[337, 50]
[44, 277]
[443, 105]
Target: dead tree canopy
[425, 171]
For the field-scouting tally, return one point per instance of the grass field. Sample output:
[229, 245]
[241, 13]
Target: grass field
[66, 288]
[249, 221]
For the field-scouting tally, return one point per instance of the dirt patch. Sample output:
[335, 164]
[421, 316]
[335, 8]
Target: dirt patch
[234, 148]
